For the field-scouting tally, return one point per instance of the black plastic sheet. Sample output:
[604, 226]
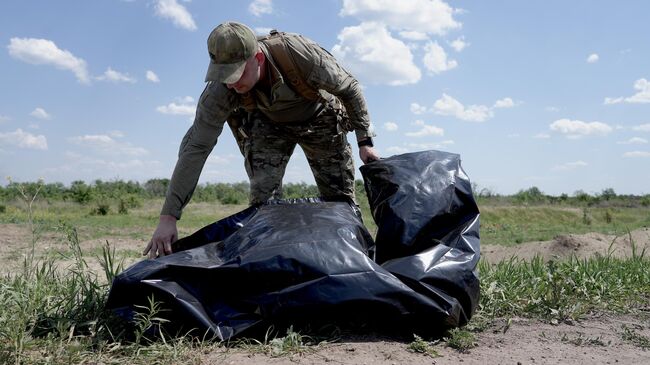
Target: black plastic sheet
[307, 260]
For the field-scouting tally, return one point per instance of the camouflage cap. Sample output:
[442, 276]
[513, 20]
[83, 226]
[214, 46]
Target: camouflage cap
[230, 45]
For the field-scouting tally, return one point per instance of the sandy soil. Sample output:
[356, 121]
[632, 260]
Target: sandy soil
[580, 245]
[594, 340]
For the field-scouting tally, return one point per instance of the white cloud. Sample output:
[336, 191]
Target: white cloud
[40, 113]
[4, 118]
[23, 140]
[452, 107]
[372, 54]
[642, 127]
[459, 44]
[111, 75]
[221, 160]
[177, 13]
[435, 59]
[593, 58]
[634, 140]
[263, 30]
[504, 103]
[107, 145]
[552, 109]
[116, 134]
[390, 126]
[570, 166]
[397, 150]
[429, 146]
[260, 7]
[425, 130]
[413, 35]
[185, 106]
[151, 76]
[412, 147]
[576, 128]
[542, 136]
[46, 52]
[633, 154]
[425, 16]
[418, 109]
[641, 97]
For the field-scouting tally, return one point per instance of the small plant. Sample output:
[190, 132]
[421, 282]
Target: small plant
[148, 320]
[422, 347]
[586, 220]
[580, 340]
[608, 216]
[634, 338]
[102, 208]
[127, 202]
[293, 342]
[461, 340]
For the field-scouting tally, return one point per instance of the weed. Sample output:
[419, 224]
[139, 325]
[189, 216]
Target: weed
[292, 343]
[461, 339]
[422, 347]
[579, 340]
[631, 336]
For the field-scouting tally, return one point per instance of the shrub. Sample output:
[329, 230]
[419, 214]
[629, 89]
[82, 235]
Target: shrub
[127, 202]
[80, 192]
[102, 208]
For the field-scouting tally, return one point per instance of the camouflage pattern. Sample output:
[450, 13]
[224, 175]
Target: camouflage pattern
[270, 145]
[282, 119]
[230, 44]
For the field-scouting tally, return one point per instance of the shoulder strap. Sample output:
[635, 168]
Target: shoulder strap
[248, 101]
[277, 45]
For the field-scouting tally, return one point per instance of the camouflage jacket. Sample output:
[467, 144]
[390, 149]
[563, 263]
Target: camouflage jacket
[321, 71]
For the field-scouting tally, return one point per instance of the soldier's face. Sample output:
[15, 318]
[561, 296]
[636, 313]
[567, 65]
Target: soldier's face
[249, 78]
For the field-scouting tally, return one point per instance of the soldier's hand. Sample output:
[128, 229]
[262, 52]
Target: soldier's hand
[165, 234]
[368, 154]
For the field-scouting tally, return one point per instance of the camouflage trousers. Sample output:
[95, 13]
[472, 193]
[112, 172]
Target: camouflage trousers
[267, 147]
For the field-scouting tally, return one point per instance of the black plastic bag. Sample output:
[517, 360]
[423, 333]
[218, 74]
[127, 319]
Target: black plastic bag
[306, 260]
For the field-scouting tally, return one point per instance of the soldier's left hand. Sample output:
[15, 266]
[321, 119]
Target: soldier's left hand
[368, 154]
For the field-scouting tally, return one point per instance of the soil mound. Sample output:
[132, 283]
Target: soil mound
[580, 245]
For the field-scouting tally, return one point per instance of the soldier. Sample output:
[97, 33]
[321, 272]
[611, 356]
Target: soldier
[291, 91]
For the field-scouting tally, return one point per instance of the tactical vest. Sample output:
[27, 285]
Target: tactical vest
[276, 43]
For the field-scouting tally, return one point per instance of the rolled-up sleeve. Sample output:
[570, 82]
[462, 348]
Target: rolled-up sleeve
[214, 107]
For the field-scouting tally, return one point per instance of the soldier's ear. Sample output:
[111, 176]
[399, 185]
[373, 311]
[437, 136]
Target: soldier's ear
[260, 57]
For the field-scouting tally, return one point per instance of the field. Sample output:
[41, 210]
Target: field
[562, 282]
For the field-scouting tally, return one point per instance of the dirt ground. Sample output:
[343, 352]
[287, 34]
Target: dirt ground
[594, 340]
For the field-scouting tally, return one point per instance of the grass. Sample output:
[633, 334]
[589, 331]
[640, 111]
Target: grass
[55, 316]
[632, 337]
[421, 346]
[516, 224]
[567, 290]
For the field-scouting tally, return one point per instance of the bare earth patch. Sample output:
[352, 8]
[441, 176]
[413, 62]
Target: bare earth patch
[594, 340]
[580, 245]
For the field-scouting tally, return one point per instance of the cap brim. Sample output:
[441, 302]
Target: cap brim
[225, 73]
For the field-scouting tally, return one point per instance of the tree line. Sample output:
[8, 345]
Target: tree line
[131, 193]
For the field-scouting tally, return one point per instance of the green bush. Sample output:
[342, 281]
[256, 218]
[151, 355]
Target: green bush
[127, 202]
[532, 195]
[3, 208]
[80, 192]
[102, 208]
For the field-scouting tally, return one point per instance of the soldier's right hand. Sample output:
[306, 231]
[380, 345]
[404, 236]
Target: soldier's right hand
[165, 234]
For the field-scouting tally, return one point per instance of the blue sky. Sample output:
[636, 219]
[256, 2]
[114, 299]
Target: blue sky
[553, 94]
